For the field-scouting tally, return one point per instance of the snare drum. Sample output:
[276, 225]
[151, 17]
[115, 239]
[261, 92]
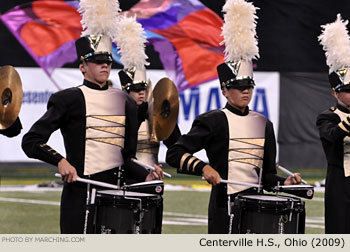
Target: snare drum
[122, 212]
[269, 214]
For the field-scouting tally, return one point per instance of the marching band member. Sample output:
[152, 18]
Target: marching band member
[131, 42]
[96, 120]
[240, 143]
[334, 128]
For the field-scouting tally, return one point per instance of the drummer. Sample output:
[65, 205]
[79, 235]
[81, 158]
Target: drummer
[133, 81]
[96, 121]
[334, 128]
[240, 143]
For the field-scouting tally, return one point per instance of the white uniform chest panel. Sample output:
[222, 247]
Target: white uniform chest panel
[346, 142]
[246, 148]
[147, 146]
[105, 129]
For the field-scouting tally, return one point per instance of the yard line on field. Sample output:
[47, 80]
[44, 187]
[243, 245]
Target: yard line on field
[182, 223]
[40, 202]
[319, 189]
[204, 221]
[30, 188]
[315, 220]
[314, 226]
[184, 215]
[316, 199]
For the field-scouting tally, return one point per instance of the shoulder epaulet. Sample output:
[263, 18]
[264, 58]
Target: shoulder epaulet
[333, 108]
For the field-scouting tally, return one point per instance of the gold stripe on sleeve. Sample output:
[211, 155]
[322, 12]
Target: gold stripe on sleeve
[343, 127]
[190, 162]
[195, 164]
[183, 158]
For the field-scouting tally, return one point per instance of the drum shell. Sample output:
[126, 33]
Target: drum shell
[118, 214]
[261, 215]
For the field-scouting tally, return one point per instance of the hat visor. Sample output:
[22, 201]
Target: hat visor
[100, 57]
[138, 87]
[344, 88]
[241, 84]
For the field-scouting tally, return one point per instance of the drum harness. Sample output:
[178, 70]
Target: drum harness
[283, 218]
[231, 204]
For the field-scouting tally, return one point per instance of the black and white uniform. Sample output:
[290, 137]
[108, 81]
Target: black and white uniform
[148, 146]
[99, 129]
[238, 145]
[334, 129]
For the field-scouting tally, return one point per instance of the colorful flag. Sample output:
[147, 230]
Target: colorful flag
[185, 33]
[47, 30]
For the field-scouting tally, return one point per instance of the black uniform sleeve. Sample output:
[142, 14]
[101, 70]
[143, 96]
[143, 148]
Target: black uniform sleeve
[142, 113]
[331, 128]
[269, 174]
[180, 154]
[174, 136]
[132, 170]
[13, 130]
[34, 142]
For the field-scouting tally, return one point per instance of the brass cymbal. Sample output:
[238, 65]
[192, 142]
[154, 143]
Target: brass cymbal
[165, 108]
[10, 96]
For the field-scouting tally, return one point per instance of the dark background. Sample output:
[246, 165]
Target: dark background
[287, 32]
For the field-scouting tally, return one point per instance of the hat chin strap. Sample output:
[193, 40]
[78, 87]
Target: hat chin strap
[228, 95]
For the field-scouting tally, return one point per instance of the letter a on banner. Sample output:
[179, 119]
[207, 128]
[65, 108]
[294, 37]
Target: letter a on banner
[187, 106]
[214, 93]
[260, 98]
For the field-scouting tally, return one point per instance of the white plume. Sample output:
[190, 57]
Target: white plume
[336, 43]
[99, 17]
[131, 41]
[239, 31]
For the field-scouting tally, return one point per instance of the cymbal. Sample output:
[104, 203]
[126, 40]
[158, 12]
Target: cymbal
[165, 108]
[10, 96]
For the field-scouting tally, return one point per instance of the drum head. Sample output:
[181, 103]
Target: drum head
[267, 197]
[122, 193]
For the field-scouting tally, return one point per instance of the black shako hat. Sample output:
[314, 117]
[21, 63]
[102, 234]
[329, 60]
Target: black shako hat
[235, 74]
[94, 46]
[340, 80]
[133, 79]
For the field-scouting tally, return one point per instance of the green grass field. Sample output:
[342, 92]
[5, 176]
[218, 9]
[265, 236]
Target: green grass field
[185, 211]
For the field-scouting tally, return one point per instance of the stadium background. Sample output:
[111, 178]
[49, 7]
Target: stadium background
[287, 32]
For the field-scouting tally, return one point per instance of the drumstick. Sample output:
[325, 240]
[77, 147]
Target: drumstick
[149, 167]
[147, 183]
[289, 173]
[236, 183]
[93, 182]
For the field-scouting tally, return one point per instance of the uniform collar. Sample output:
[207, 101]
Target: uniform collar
[343, 109]
[236, 111]
[95, 86]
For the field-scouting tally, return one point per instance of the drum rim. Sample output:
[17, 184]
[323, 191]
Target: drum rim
[127, 193]
[281, 198]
